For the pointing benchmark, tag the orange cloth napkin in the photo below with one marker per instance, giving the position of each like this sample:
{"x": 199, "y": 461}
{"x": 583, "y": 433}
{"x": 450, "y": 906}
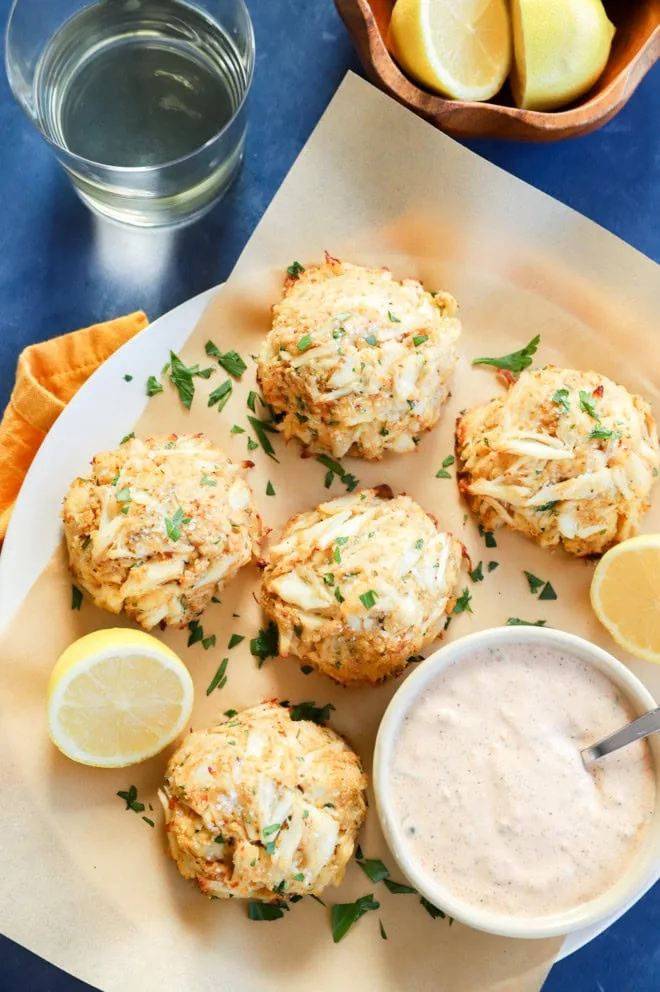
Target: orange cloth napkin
{"x": 47, "y": 376}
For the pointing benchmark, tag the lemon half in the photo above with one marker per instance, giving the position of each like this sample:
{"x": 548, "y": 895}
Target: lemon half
{"x": 116, "y": 697}
{"x": 625, "y": 595}
{"x": 461, "y": 48}
{"x": 561, "y": 47}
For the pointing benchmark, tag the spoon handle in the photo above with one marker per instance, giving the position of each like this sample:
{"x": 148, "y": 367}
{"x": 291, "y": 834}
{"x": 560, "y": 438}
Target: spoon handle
{"x": 642, "y": 727}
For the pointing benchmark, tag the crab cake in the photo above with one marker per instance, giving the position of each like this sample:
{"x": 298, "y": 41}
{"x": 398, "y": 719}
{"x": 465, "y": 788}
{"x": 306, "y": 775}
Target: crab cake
{"x": 158, "y": 526}
{"x": 566, "y": 457}
{"x": 356, "y": 362}
{"x": 358, "y": 585}
{"x": 262, "y": 807}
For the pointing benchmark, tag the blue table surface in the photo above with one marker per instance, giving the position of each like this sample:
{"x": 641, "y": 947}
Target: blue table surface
{"x": 61, "y": 269}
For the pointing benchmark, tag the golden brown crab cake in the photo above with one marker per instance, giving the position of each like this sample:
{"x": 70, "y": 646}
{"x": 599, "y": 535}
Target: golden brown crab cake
{"x": 264, "y": 807}
{"x": 158, "y": 526}
{"x": 357, "y": 362}
{"x": 567, "y": 458}
{"x": 360, "y": 584}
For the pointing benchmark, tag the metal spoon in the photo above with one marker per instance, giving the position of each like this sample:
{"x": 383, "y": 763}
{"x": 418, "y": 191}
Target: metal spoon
{"x": 635, "y": 731}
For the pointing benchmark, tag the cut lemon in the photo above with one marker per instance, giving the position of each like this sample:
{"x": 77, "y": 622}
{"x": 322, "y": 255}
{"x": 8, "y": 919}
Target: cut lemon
{"x": 625, "y": 595}
{"x": 116, "y": 697}
{"x": 461, "y": 48}
{"x": 561, "y": 47}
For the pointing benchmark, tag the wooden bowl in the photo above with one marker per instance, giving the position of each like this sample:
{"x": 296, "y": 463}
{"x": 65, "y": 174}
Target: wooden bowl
{"x": 635, "y": 49}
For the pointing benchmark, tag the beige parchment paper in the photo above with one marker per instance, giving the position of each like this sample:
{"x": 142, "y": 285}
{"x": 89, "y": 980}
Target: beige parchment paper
{"x": 85, "y": 883}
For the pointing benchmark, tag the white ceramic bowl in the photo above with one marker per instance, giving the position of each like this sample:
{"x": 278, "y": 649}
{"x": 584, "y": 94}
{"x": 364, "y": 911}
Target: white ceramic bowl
{"x": 630, "y": 884}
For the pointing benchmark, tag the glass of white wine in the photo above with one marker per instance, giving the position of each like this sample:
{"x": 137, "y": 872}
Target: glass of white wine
{"x": 142, "y": 101}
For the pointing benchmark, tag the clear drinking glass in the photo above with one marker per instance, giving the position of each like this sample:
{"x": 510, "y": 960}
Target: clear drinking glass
{"x": 142, "y": 101}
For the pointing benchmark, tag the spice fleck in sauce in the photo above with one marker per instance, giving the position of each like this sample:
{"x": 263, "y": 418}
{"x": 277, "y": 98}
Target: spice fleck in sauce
{"x": 490, "y": 791}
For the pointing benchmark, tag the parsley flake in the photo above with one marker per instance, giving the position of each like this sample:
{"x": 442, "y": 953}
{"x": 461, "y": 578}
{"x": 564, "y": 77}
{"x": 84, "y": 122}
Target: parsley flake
{"x": 515, "y": 362}
{"x": 304, "y": 342}
{"x": 207, "y": 480}
{"x": 492, "y": 565}
{"x": 173, "y": 526}
{"x": 269, "y": 489}
{"x": 587, "y": 404}
{"x": 488, "y": 536}
{"x": 602, "y": 434}
{"x": 395, "y": 320}
{"x": 548, "y": 592}
{"x": 221, "y": 395}
{"x": 76, "y": 598}
{"x": 375, "y": 870}
{"x": 477, "y": 574}
{"x": 234, "y": 640}
{"x": 420, "y": 339}
{"x": 561, "y": 399}
{"x": 219, "y": 680}
{"x": 368, "y": 599}
{"x": 517, "y": 622}
{"x": 534, "y": 583}
{"x": 153, "y": 386}
{"x": 237, "y": 430}
{"x": 399, "y": 889}
{"x": 263, "y": 912}
{"x": 309, "y": 711}
{"x": 127, "y": 437}
{"x": 130, "y": 797}
{"x": 344, "y": 915}
{"x": 295, "y": 270}
{"x": 230, "y": 361}
{"x": 462, "y": 604}
{"x": 262, "y": 428}
{"x": 265, "y": 644}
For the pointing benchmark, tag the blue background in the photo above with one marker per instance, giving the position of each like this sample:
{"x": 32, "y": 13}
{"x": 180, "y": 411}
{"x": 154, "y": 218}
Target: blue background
{"x": 60, "y": 269}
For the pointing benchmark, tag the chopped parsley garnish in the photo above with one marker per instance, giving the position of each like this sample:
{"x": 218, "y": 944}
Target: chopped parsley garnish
{"x": 395, "y": 320}
{"x": 182, "y": 378}
{"x": 237, "y": 430}
{"x": 252, "y": 445}
{"x": 252, "y": 400}
{"x": 463, "y": 603}
{"x": 231, "y": 713}
{"x": 173, "y": 526}
{"x": 329, "y": 579}
{"x": 561, "y": 399}
{"x": 219, "y": 680}
{"x": 382, "y": 929}
{"x": 602, "y": 434}
{"x": 488, "y": 536}
{"x": 370, "y": 339}
{"x": 208, "y": 642}
{"x": 295, "y": 270}
{"x": 207, "y": 480}
{"x": 265, "y": 644}
{"x": 517, "y": 622}
{"x": 262, "y": 428}
{"x": 419, "y": 544}
{"x": 264, "y": 911}
{"x": 420, "y": 339}
{"x": 344, "y": 915}
{"x": 272, "y": 829}
{"x": 127, "y": 437}
{"x": 76, "y": 598}
{"x": 123, "y": 495}
{"x": 153, "y": 386}
{"x": 231, "y": 361}
{"x": 221, "y": 395}
{"x": 514, "y": 363}
{"x": 147, "y": 820}
{"x": 269, "y": 489}
{"x": 130, "y": 798}
{"x": 234, "y": 640}
{"x": 374, "y": 869}
{"x": 432, "y": 910}
{"x": 548, "y": 592}
{"x": 587, "y": 404}
{"x": 128, "y": 378}
{"x": 338, "y": 332}
{"x": 219, "y": 839}
{"x": 534, "y": 583}
{"x": 196, "y": 632}
{"x": 300, "y": 877}
{"x": 399, "y": 889}
{"x": 304, "y": 342}
{"x": 307, "y": 669}
{"x": 545, "y": 507}
{"x": 492, "y": 565}
{"x": 309, "y": 711}
{"x": 338, "y": 595}
{"x": 477, "y": 574}
{"x": 368, "y": 599}
{"x": 334, "y": 468}
{"x": 442, "y": 473}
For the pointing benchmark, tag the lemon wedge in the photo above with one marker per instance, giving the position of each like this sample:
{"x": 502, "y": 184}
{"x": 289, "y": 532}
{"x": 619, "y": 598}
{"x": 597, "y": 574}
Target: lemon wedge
{"x": 561, "y": 47}
{"x": 461, "y": 48}
{"x": 625, "y": 595}
{"x": 116, "y": 697}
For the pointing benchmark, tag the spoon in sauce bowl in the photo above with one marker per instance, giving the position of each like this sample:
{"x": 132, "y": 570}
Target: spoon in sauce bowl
{"x": 635, "y": 731}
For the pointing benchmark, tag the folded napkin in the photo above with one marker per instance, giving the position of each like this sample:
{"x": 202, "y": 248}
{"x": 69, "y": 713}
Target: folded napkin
{"x": 47, "y": 376}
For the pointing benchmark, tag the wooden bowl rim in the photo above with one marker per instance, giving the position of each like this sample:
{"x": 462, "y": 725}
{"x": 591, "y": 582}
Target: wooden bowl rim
{"x": 438, "y": 106}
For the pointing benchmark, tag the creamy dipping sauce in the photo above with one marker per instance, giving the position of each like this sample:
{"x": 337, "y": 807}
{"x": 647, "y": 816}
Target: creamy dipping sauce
{"x": 489, "y": 789}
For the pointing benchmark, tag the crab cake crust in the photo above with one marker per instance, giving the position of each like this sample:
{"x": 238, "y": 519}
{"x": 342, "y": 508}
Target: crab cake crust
{"x": 360, "y": 584}
{"x": 262, "y": 807}
{"x": 159, "y": 526}
{"x": 567, "y": 458}
{"x": 356, "y": 362}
